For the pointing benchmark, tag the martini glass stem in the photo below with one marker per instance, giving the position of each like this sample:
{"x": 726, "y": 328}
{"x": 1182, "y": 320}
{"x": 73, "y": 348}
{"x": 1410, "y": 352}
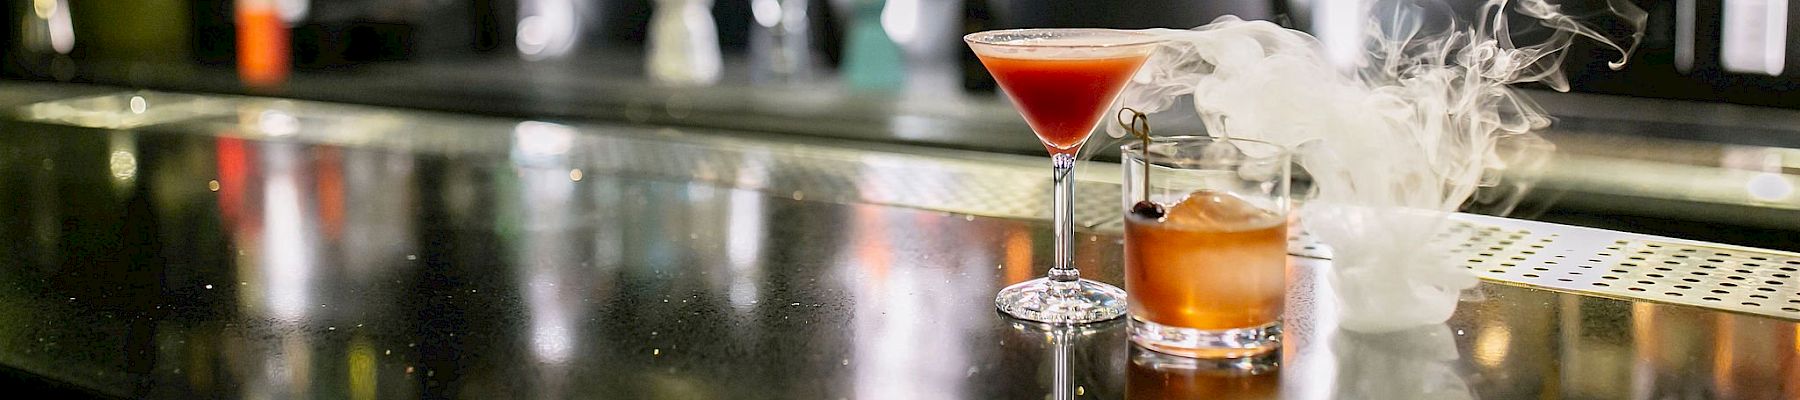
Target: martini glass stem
{"x": 1062, "y": 268}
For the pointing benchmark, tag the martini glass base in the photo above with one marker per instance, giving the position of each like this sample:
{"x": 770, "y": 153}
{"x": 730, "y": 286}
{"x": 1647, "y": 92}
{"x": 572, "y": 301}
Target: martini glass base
{"x": 1070, "y": 302}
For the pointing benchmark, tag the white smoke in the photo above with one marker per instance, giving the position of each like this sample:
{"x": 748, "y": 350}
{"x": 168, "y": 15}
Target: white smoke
{"x": 1394, "y": 144}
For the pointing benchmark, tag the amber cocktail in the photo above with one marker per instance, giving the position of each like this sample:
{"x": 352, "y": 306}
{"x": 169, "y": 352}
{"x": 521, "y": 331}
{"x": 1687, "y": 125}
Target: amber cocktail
{"x": 1206, "y": 245}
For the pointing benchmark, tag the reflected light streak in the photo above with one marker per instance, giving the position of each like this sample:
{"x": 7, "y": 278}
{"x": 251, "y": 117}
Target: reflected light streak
{"x": 541, "y": 142}
{"x": 743, "y": 246}
{"x": 236, "y": 165}
{"x": 1724, "y": 343}
{"x": 1018, "y": 256}
{"x": 122, "y": 161}
{"x": 296, "y": 374}
{"x": 550, "y": 338}
{"x": 287, "y": 265}
{"x": 900, "y": 359}
{"x": 277, "y": 123}
{"x": 1491, "y": 345}
{"x": 547, "y": 198}
{"x": 874, "y": 252}
{"x": 123, "y": 165}
{"x": 328, "y": 189}
{"x": 1308, "y": 359}
{"x": 286, "y": 369}
{"x": 1644, "y": 341}
{"x": 362, "y": 369}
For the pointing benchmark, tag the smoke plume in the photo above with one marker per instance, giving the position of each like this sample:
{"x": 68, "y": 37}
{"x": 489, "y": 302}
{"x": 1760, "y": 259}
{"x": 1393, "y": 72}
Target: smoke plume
{"x": 1395, "y": 140}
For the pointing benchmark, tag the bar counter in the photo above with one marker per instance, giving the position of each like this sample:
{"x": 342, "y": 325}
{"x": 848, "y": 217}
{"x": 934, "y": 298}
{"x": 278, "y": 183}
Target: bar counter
{"x": 173, "y": 246}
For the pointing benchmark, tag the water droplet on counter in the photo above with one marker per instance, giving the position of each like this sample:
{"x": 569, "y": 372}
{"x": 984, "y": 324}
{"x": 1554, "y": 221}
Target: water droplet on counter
{"x": 845, "y": 362}
{"x": 969, "y": 218}
{"x": 411, "y": 257}
{"x": 212, "y": 185}
{"x": 575, "y": 175}
{"x": 209, "y": 287}
{"x": 387, "y": 352}
{"x": 794, "y": 304}
{"x": 799, "y": 195}
{"x": 656, "y": 352}
{"x": 331, "y": 328}
{"x": 1080, "y": 391}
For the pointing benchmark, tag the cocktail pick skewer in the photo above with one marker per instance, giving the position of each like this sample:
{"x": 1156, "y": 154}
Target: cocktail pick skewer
{"x": 1139, "y": 125}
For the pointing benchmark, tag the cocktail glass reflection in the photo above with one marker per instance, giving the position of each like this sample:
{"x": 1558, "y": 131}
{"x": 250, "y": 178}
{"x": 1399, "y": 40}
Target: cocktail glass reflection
{"x": 1206, "y": 244}
{"x": 1061, "y": 81}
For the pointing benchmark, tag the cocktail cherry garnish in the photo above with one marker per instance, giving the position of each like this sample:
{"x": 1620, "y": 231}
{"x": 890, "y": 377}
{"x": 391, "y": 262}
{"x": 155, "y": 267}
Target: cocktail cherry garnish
{"x": 1139, "y": 125}
{"x": 1148, "y": 210}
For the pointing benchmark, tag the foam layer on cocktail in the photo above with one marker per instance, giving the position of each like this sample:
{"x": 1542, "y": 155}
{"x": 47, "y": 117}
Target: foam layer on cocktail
{"x": 1069, "y": 44}
{"x": 1392, "y": 140}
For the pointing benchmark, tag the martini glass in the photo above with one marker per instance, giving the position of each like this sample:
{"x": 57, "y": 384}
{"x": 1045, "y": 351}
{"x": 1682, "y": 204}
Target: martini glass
{"x": 1061, "y": 81}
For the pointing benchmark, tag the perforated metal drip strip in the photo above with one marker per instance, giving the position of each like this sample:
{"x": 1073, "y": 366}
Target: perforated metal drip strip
{"x": 1621, "y": 265}
{"x": 1589, "y": 261}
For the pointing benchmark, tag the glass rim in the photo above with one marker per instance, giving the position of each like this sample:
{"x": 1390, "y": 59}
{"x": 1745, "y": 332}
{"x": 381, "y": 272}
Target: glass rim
{"x": 977, "y": 38}
{"x": 1131, "y": 148}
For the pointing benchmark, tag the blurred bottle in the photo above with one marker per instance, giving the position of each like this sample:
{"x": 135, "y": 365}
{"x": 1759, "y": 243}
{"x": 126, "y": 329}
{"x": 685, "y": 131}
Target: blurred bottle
{"x": 262, "y": 44}
{"x": 977, "y": 16}
{"x": 780, "y": 43}
{"x": 46, "y": 36}
{"x": 547, "y": 29}
{"x": 684, "y": 43}
{"x": 46, "y": 27}
{"x": 872, "y": 61}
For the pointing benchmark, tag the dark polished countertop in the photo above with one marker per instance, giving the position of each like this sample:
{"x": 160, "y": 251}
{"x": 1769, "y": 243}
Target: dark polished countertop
{"x": 291, "y": 255}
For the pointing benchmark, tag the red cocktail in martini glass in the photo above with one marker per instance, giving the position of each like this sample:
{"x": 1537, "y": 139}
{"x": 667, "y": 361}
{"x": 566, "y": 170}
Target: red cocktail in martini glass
{"x": 1061, "y": 81}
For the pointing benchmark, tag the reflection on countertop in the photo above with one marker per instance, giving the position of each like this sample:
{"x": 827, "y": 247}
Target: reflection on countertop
{"x": 281, "y": 251}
